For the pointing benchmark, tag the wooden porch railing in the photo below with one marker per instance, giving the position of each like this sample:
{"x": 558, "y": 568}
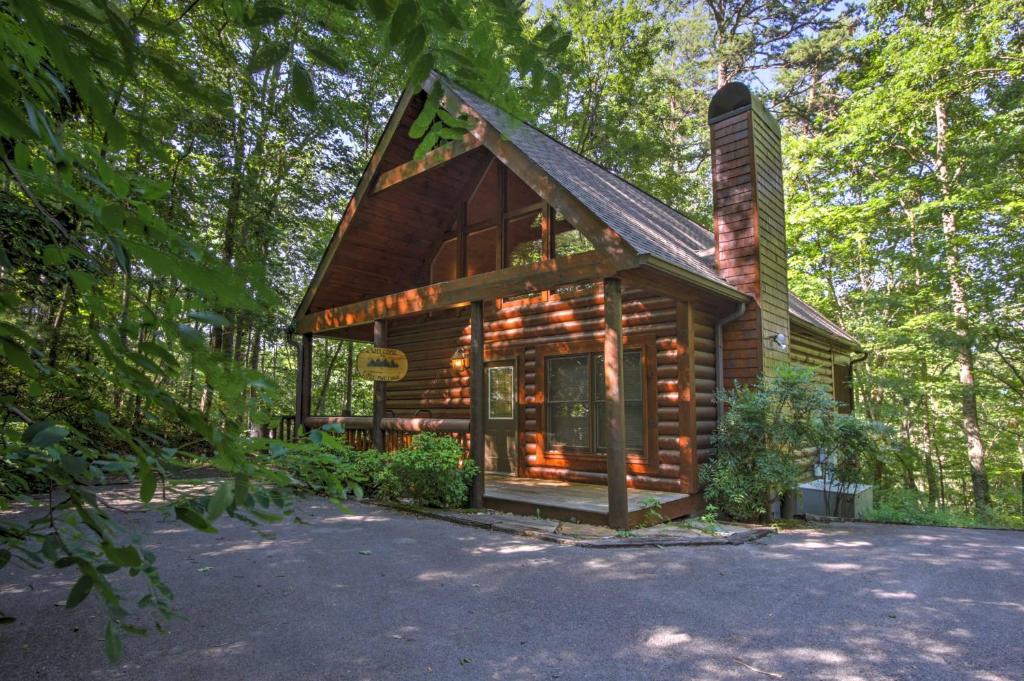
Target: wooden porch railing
{"x": 285, "y": 429}
{"x": 398, "y": 432}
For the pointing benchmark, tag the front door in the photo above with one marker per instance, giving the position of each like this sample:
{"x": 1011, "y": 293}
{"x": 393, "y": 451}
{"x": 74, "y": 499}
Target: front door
{"x": 502, "y": 435}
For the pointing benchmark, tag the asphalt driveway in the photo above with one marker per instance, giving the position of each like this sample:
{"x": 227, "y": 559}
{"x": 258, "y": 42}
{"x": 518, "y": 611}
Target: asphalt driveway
{"x": 381, "y": 595}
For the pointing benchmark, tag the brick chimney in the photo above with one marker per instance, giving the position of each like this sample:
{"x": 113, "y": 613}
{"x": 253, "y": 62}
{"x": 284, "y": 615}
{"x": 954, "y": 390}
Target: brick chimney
{"x": 750, "y": 230}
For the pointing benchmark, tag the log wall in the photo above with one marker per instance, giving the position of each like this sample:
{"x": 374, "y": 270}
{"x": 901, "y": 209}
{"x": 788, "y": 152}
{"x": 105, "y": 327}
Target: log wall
{"x": 529, "y": 330}
{"x": 814, "y": 352}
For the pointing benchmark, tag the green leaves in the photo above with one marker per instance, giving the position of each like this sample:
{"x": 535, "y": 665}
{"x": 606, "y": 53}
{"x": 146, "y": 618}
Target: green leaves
{"x": 262, "y": 13}
{"x": 268, "y": 55}
{"x": 189, "y": 516}
{"x": 44, "y": 434}
{"x": 112, "y": 643}
{"x": 79, "y": 591}
{"x": 426, "y": 116}
{"x": 122, "y": 556}
{"x": 147, "y": 484}
{"x": 220, "y": 500}
{"x": 402, "y": 21}
{"x": 208, "y": 317}
{"x": 303, "y": 89}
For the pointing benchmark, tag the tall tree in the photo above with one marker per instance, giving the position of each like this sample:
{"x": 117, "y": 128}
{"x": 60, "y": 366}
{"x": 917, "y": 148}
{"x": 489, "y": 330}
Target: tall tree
{"x": 915, "y": 162}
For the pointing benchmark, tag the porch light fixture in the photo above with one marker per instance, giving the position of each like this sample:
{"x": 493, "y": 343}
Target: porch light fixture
{"x": 779, "y": 340}
{"x": 459, "y": 360}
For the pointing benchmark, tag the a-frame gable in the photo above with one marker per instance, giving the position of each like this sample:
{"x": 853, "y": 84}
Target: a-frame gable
{"x": 357, "y": 196}
{"x": 378, "y": 181}
{"x": 527, "y": 169}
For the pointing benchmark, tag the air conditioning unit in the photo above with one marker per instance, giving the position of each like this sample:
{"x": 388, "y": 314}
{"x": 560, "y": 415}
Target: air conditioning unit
{"x": 832, "y": 498}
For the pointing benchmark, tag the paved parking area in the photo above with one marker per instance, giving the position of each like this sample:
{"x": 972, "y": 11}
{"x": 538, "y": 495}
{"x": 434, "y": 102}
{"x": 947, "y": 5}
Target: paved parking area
{"x": 381, "y": 595}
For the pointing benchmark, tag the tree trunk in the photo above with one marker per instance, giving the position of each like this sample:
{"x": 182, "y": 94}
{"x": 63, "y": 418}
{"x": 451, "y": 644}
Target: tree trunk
{"x": 1020, "y": 453}
{"x": 348, "y": 379}
{"x": 929, "y": 462}
{"x": 58, "y": 322}
{"x": 965, "y": 353}
{"x": 321, "y": 400}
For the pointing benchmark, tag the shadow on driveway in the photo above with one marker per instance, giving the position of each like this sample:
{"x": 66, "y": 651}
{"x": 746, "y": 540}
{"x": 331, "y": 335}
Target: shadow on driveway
{"x": 381, "y": 595}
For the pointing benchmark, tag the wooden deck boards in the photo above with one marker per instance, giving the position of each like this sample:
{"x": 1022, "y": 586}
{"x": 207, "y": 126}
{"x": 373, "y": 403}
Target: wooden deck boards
{"x": 573, "y": 501}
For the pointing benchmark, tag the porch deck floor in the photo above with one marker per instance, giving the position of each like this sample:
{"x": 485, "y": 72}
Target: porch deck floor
{"x": 574, "y": 500}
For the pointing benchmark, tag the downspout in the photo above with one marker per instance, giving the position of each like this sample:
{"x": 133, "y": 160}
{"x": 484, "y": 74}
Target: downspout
{"x": 853, "y": 392}
{"x": 720, "y": 360}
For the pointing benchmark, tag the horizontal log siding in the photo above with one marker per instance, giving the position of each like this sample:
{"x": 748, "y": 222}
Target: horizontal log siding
{"x": 431, "y": 388}
{"x": 516, "y": 330}
{"x": 816, "y": 353}
{"x": 704, "y": 378}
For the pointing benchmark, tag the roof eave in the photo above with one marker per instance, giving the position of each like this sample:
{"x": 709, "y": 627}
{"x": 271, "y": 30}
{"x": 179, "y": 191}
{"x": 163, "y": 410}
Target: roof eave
{"x": 849, "y": 343}
{"x": 693, "y": 278}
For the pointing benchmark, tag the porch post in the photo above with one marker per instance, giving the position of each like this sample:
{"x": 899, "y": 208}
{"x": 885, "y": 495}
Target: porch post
{"x": 303, "y": 381}
{"x": 477, "y": 400}
{"x": 380, "y": 340}
{"x": 615, "y": 405}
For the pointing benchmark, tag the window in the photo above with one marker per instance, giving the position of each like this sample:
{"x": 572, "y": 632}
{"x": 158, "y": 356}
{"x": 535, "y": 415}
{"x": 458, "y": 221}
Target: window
{"x": 575, "y": 404}
{"x": 568, "y": 239}
{"x": 633, "y": 385}
{"x": 518, "y": 194}
{"x": 524, "y": 240}
{"x": 481, "y": 251}
{"x": 501, "y": 393}
{"x": 484, "y": 205}
{"x": 446, "y": 262}
{"x": 567, "y": 401}
{"x": 843, "y": 387}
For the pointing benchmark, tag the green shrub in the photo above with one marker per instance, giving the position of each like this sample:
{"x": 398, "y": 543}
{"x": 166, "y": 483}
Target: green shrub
{"x": 910, "y": 507}
{"x": 431, "y": 473}
{"x": 759, "y": 440}
{"x": 325, "y": 464}
{"x": 765, "y": 433}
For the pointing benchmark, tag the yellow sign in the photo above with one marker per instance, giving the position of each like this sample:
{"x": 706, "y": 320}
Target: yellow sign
{"x": 382, "y": 364}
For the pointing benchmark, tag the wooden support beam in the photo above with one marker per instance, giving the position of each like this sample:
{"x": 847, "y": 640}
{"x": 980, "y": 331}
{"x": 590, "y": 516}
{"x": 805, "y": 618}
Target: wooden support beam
{"x": 500, "y": 220}
{"x": 432, "y": 159}
{"x": 304, "y": 380}
{"x": 349, "y": 360}
{"x": 547, "y": 222}
{"x": 536, "y": 276}
{"x": 685, "y": 347}
{"x": 615, "y": 406}
{"x": 380, "y": 340}
{"x": 477, "y": 399}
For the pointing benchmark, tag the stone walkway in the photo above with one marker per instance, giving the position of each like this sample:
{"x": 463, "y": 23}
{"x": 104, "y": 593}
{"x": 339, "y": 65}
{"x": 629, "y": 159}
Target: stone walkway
{"x": 677, "y": 533}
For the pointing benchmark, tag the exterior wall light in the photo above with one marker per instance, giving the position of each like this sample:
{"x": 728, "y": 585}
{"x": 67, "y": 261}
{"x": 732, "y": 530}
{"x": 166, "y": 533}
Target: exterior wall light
{"x": 459, "y": 360}
{"x": 779, "y": 340}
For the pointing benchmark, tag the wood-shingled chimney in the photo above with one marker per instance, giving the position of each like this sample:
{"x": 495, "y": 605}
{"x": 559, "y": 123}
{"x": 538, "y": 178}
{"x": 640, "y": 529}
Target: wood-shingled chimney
{"x": 750, "y": 230}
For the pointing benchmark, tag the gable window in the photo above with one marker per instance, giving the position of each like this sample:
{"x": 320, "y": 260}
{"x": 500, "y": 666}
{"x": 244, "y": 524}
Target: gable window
{"x": 481, "y": 251}
{"x": 575, "y": 404}
{"x": 445, "y": 264}
{"x": 524, "y": 240}
{"x": 568, "y": 239}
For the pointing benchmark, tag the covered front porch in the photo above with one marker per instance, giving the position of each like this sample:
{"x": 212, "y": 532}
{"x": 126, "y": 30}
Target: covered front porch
{"x": 492, "y": 434}
{"x": 579, "y": 502}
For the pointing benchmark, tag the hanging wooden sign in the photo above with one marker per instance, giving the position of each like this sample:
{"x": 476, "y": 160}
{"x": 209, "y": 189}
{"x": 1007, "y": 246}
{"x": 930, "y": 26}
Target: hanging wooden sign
{"x": 382, "y": 364}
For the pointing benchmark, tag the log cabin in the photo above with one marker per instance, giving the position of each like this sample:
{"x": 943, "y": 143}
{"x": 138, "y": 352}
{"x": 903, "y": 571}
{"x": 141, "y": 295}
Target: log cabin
{"x": 567, "y": 326}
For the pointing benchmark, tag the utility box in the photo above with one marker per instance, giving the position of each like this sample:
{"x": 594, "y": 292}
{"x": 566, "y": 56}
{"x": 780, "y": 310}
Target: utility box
{"x": 834, "y": 499}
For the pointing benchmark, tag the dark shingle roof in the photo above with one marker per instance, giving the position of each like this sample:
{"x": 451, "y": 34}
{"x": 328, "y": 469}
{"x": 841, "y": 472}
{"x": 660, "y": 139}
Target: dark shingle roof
{"x": 645, "y": 223}
{"x": 805, "y": 313}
